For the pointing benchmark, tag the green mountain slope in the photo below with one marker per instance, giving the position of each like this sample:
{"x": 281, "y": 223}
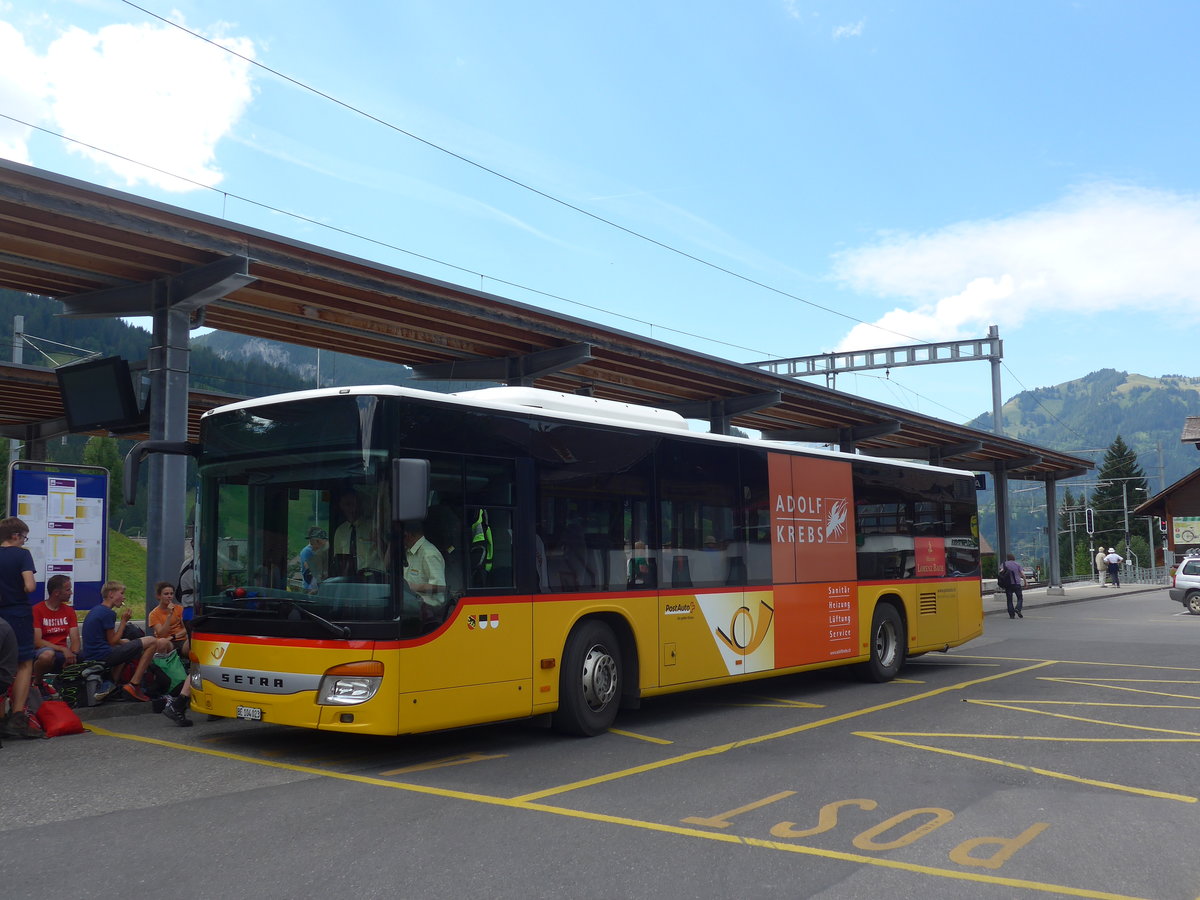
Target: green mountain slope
{"x": 1089, "y": 412}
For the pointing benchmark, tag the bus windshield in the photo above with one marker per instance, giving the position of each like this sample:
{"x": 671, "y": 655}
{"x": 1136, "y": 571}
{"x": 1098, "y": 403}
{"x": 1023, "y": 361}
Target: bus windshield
{"x": 296, "y": 506}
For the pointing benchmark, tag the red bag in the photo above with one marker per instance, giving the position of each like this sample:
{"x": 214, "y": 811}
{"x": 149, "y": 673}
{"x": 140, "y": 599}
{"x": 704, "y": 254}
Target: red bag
{"x": 57, "y": 718}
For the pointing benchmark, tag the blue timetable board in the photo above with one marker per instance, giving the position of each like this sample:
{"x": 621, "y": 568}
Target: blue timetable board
{"x": 67, "y": 515}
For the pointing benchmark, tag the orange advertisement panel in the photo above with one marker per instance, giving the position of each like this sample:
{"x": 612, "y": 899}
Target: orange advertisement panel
{"x": 931, "y": 557}
{"x": 812, "y": 520}
{"x": 815, "y": 623}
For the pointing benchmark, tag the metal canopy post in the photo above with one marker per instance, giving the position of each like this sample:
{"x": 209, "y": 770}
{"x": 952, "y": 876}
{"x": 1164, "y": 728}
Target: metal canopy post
{"x": 1055, "y": 587}
{"x": 167, "y": 475}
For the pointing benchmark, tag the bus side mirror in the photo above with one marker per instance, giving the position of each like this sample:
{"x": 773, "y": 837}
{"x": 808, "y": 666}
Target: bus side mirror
{"x": 410, "y": 489}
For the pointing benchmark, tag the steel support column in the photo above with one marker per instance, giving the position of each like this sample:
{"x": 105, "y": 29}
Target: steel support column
{"x": 167, "y": 475}
{"x": 1055, "y": 587}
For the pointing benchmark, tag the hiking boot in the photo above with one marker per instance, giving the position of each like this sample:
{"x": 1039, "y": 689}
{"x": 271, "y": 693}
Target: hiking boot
{"x": 22, "y": 724}
{"x": 105, "y": 690}
{"x": 176, "y": 710}
{"x": 135, "y": 692}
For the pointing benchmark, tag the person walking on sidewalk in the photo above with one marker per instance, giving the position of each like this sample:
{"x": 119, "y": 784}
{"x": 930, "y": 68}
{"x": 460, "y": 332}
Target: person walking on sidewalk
{"x": 1011, "y": 580}
{"x": 1114, "y": 560}
{"x": 1101, "y": 567}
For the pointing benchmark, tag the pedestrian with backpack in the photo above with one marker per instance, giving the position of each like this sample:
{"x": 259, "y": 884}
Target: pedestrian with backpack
{"x": 1009, "y": 578}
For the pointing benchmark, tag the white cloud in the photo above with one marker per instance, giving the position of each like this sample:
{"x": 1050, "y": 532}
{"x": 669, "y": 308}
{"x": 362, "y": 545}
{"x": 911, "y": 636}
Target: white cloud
{"x": 1105, "y": 247}
{"x": 150, "y": 93}
{"x": 22, "y": 92}
{"x": 853, "y": 30}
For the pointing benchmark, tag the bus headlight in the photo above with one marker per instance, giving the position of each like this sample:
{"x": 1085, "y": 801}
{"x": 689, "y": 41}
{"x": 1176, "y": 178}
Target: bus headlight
{"x": 351, "y": 683}
{"x": 195, "y": 679}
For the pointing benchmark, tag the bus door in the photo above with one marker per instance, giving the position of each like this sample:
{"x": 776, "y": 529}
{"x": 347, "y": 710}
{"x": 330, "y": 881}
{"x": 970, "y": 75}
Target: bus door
{"x": 714, "y": 623}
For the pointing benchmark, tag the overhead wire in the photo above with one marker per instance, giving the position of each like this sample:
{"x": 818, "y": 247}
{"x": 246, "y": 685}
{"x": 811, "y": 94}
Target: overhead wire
{"x": 506, "y": 178}
{"x": 517, "y": 182}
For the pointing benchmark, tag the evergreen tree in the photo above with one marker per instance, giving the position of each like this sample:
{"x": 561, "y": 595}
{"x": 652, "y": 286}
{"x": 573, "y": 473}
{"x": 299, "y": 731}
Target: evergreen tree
{"x": 103, "y": 452}
{"x": 1122, "y": 487}
{"x": 1072, "y": 535}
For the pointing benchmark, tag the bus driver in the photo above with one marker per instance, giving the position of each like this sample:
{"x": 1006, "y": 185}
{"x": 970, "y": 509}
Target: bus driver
{"x": 356, "y": 544}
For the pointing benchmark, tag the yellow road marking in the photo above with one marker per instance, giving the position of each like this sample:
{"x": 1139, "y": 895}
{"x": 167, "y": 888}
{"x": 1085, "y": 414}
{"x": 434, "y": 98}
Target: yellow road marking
{"x": 1086, "y": 662}
{"x": 720, "y": 837}
{"x": 1041, "y": 712}
{"x": 639, "y": 737}
{"x": 787, "y": 732}
{"x": 1062, "y": 776}
{"x": 780, "y": 703}
{"x": 460, "y": 760}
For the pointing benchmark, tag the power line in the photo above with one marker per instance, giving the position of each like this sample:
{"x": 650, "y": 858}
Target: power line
{"x": 518, "y": 183}
{"x": 497, "y": 174}
{"x": 376, "y": 241}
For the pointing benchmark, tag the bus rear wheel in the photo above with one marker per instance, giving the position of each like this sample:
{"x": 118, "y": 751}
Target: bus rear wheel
{"x": 887, "y": 645}
{"x": 589, "y": 683}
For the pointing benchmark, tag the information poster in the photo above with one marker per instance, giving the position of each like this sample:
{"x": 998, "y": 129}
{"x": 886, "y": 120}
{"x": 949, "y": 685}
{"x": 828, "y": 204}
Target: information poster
{"x": 67, "y": 515}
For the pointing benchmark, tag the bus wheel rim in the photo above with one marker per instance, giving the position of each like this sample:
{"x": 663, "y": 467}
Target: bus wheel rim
{"x": 599, "y": 677}
{"x": 885, "y": 643}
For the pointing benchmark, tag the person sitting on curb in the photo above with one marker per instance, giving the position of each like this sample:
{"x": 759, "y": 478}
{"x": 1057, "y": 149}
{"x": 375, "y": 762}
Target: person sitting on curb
{"x": 55, "y": 629}
{"x": 103, "y": 640}
{"x": 166, "y": 619}
{"x": 175, "y": 704}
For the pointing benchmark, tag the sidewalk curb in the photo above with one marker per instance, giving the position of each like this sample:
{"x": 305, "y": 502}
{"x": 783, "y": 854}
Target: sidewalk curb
{"x": 1118, "y": 592}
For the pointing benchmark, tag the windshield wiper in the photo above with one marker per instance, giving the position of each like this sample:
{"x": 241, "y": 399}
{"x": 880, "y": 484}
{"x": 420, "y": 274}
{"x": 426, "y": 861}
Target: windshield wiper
{"x": 342, "y": 631}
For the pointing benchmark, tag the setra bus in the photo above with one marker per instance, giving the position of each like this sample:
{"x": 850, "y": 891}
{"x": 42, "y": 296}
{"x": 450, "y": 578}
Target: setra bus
{"x": 513, "y": 552}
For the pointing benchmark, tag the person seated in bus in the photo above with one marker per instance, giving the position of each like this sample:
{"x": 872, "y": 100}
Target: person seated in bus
{"x": 424, "y": 571}
{"x": 578, "y": 572}
{"x": 314, "y": 560}
{"x": 639, "y": 573}
{"x": 166, "y": 619}
{"x": 356, "y": 542}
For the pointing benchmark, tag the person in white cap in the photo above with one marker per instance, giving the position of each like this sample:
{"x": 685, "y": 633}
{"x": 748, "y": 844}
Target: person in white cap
{"x": 1114, "y": 560}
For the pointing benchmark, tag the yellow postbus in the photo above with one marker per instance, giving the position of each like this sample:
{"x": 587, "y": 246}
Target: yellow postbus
{"x": 386, "y": 560}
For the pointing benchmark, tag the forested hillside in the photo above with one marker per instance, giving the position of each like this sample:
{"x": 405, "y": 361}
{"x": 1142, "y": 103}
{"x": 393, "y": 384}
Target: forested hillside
{"x": 324, "y": 369}
{"x": 55, "y": 340}
{"x": 1090, "y": 412}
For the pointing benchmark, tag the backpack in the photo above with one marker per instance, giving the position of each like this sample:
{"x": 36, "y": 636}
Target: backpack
{"x": 71, "y": 682}
{"x": 1004, "y": 577}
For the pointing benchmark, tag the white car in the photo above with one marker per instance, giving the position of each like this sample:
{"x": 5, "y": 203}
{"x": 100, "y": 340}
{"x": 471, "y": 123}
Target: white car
{"x": 1186, "y": 589}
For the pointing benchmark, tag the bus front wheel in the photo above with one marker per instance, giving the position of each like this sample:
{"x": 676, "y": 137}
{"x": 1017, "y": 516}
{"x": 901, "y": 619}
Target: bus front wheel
{"x": 887, "y": 645}
{"x": 589, "y": 683}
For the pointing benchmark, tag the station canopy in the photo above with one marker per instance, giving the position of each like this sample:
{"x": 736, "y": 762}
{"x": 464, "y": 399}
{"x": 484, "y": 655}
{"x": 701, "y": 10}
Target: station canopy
{"x": 84, "y": 245}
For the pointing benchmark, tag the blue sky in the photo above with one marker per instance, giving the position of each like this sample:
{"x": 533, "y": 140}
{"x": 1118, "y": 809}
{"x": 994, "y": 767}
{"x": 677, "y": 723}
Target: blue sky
{"x": 851, "y": 174}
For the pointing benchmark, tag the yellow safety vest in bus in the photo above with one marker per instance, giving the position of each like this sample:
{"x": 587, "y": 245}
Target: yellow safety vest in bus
{"x": 481, "y": 543}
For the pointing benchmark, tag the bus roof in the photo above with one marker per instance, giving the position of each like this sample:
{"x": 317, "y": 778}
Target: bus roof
{"x": 567, "y": 407}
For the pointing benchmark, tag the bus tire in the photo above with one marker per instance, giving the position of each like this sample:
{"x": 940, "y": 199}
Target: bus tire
{"x": 589, "y": 683}
{"x": 888, "y": 643}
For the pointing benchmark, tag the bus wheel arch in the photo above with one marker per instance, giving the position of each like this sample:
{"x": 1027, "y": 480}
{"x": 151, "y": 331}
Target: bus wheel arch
{"x": 888, "y": 641}
{"x": 593, "y": 676}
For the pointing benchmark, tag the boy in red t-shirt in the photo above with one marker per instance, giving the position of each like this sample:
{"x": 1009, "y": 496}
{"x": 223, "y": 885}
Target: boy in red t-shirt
{"x": 55, "y": 629}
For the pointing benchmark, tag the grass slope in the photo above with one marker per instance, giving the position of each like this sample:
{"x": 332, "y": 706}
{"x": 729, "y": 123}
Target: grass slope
{"x": 127, "y": 564}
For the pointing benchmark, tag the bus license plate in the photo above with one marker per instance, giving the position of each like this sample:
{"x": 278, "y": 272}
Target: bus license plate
{"x": 249, "y": 712}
